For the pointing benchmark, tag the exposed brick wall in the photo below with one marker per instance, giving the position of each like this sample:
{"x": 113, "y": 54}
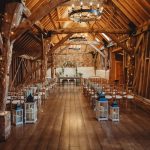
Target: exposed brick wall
{"x": 99, "y": 62}
{"x": 84, "y": 60}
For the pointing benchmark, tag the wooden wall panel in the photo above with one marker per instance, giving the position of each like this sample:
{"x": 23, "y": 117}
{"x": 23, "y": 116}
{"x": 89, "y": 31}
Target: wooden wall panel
{"x": 141, "y": 82}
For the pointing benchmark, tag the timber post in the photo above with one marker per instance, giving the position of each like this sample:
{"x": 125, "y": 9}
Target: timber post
{"x": 12, "y": 17}
{"x": 44, "y": 58}
{"x": 52, "y": 66}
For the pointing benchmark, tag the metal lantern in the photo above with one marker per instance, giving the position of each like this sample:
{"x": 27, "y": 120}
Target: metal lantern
{"x": 30, "y": 112}
{"x": 18, "y": 116}
{"x": 114, "y": 113}
{"x": 102, "y": 109}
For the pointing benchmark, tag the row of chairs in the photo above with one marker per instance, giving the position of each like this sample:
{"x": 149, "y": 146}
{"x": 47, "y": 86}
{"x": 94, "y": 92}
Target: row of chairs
{"x": 123, "y": 96}
{"x": 18, "y": 96}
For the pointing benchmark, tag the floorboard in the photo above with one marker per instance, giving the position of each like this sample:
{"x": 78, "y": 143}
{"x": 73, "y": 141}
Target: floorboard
{"x": 67, "y": 122}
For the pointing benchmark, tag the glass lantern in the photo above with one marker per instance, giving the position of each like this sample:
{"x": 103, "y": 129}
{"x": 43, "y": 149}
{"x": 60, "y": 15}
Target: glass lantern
{"x": 18, "y": 116}
{"x": 30, "y": 112}
{"x": 114, "y": 113}
{"x": 102, "y": 109}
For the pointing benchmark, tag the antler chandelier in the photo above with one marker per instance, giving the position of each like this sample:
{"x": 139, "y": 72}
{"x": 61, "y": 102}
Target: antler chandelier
{"x": 85, "y": 13}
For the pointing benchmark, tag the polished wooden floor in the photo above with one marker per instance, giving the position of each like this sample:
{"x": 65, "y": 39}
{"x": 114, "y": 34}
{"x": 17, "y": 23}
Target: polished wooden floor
{"x": 67, "y": 122}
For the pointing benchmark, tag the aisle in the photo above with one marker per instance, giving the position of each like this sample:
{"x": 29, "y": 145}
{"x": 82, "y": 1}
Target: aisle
{"x": 67, "y": 122}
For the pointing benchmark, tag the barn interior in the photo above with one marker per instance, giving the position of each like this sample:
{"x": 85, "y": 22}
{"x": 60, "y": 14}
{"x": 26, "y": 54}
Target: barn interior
{"x": 65, "y": 61}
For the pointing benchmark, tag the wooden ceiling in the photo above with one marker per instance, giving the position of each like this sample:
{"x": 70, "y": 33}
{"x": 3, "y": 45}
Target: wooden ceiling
{"x": 117, "y": 15}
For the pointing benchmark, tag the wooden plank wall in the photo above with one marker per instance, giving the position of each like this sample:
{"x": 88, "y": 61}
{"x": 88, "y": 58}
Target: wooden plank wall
{"x": 24, "y": 71}
{"x": 141, "y": 82}
{"x": 136, "y": 68}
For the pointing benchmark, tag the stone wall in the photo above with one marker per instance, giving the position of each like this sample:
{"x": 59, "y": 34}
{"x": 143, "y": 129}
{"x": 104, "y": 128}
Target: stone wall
{"x": 84, "y": 60}
{"x": 71, "y": 63}
{"x": 86, "y": 72}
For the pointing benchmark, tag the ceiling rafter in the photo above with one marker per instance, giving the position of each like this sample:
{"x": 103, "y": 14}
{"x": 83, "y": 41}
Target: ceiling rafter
{"x": 126, "y": 49}
{"x": 54, "y": 25}
{"x": 58, "y": 16}
{"x": 114, "y": 19}
{"x": 126, "y": 12}
{"x": 89, "y": 30}
{"x": 44, "y": 10}
{"x": 143, "y": 7}
{"x": 111, "y": 21}
{"x": 131, "y": 7}
{"x": 100, "y": 43}
{"x": 122, "y": 21}
{"x": 59, "y": 44}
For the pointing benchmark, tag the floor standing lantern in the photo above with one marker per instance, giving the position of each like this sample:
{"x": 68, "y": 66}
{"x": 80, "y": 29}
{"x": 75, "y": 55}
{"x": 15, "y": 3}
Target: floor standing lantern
{"x": 30, "y": 110}
{"x": 114, "y": 112}
{"x": 38, "y": 99}
{"x": 18, "y": 115}
{"x": 102, "y": 109}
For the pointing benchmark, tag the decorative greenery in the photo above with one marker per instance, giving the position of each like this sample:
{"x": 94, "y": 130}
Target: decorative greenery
{"x": 69, "y": 64}
{"x": 80, "y": 74}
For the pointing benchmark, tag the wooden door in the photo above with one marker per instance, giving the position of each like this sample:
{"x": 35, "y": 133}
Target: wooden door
{"x": 119, "y": 71}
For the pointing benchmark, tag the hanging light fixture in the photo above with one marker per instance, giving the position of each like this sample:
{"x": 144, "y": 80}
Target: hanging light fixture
{"x": 85, "y": 13}
{"x": 78, "y": 37}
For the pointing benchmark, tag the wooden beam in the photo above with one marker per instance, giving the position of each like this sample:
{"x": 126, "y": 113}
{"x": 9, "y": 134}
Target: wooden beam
{"x": 142, "y": 67}
{"x": 36, "y": 38}
{"x": 59, "y": 44}
{"x": 63, "y": 49}
{"x": 116, "y": 49}
{"x": 26, "y": 11}
{"x": 25, "y": 65}
{"x": 11, "y": 85}
{"x": 63, "y": 20}
{"x": 81, "y": 43}
{"x": 44, "y": 58}
{"x": 138, "y": 43}
{"x": 58, "y": 16}
{"x": 98, "y": 50}
{"x": 1, "y": 41}
{"x": 42, "y": 11}
{"x": 70, "y": 54}
{"x": 7, "y": 57}
{"x": 110, "y": 17}
{"x": 30, "y": 73}
{"x": 25, "y": 52}
{"x": 88, "y": 30}
{"x": 14, "y": 11}
{"x": 143, "y": 28}
{"x": 125, "y": 11}
{"x": 123, "y": 46}
{"x": 55, "y": 27}
{"x": 52, "y": 66}
{"x": 146, "y": 23}
{"x": 114, "y": 38}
